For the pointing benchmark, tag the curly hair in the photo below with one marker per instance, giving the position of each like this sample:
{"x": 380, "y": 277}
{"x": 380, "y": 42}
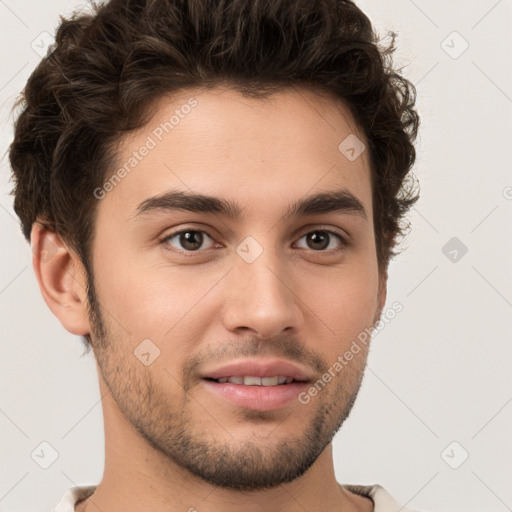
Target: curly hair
{"x": 110, "y": 65}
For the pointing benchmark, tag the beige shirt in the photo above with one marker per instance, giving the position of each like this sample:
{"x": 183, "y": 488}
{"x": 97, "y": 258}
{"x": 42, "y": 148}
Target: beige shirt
{"x": 383, "y": 502}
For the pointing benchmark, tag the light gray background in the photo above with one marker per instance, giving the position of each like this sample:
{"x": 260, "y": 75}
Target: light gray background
{"x": 438, "y": 373}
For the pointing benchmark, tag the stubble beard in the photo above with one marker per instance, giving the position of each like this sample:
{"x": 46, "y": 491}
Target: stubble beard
{"x": 169, "y": 426}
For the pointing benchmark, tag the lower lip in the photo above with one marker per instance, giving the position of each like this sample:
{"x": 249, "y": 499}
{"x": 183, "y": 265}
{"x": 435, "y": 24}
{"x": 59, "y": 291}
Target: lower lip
{"x": 261, "y": 398}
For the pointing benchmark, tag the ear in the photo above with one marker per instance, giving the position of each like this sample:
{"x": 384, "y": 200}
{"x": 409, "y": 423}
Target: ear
{"x": 62, "y": 279}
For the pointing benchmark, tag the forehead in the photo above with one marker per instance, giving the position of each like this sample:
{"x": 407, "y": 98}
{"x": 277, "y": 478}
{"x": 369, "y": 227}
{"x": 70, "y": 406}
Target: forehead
{"x": 221, "y": 143}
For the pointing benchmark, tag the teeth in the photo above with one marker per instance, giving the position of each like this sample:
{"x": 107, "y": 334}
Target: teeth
{"x": 269, "y": 381}
{"x": 250, "y": 380}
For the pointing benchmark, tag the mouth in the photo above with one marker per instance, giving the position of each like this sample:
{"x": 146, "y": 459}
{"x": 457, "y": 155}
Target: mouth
{"x": 257, "y": 384}
{"x": 253, "y": 380}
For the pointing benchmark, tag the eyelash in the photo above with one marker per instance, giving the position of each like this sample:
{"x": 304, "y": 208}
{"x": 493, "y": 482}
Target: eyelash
{"x": 187, "y": 253}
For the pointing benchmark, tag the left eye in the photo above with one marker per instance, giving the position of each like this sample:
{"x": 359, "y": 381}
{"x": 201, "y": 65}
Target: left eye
{"x": 192, "y": 240}
{"x": 322, "y": 238}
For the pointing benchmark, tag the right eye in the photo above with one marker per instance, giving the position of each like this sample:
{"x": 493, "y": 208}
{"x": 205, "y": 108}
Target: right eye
{"x": 190, "y": 240}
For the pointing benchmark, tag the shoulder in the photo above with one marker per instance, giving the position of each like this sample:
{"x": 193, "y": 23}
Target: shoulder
{"x": 72, "y": 496}
{"x": 383, "y": 501}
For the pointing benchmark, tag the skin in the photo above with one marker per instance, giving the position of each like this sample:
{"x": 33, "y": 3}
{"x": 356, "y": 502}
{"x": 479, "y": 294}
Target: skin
{"x": 169, "y": 443}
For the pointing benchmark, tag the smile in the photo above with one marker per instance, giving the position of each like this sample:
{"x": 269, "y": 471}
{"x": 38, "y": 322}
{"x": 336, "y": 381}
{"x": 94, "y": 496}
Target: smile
{"x": 250, "y": 380}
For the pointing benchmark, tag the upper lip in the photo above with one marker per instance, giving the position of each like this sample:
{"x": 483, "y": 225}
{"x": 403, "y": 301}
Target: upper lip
{"x": 258, "y": 368}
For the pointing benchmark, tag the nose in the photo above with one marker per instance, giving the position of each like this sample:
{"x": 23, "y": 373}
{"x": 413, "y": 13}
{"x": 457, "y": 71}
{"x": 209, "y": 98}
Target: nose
{"x": 261, "y": 297}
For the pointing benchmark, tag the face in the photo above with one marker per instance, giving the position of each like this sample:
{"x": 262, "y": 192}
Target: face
{"x": 257, "y": 273}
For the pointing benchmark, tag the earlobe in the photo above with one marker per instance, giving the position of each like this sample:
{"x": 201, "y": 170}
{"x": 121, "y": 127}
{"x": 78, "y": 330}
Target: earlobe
{"x": 61, "y": 278}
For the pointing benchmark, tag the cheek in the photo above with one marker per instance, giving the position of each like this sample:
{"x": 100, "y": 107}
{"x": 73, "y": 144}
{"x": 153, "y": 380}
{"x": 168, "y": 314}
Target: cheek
{"x": 132, "y": 299}
{"x": 343, "y": 303}
{"x": 148, "y": 308}
{"x": 150, "y": 299}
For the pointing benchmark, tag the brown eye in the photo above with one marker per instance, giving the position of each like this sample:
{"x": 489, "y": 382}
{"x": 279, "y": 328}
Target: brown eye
{"x": 188, "y": 239}
{"x": 320, "y": 240}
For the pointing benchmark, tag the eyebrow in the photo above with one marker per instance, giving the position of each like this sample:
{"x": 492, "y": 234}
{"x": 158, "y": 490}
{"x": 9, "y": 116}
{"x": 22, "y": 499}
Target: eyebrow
{"x": 337, "y": 201}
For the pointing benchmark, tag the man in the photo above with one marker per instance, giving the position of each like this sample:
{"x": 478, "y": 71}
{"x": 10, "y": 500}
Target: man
{"x": 213, "y": 192}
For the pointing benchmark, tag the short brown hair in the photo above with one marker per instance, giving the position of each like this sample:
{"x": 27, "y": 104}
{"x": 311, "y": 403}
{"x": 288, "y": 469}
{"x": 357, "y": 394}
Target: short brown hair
{"x": 109, "y": 66}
